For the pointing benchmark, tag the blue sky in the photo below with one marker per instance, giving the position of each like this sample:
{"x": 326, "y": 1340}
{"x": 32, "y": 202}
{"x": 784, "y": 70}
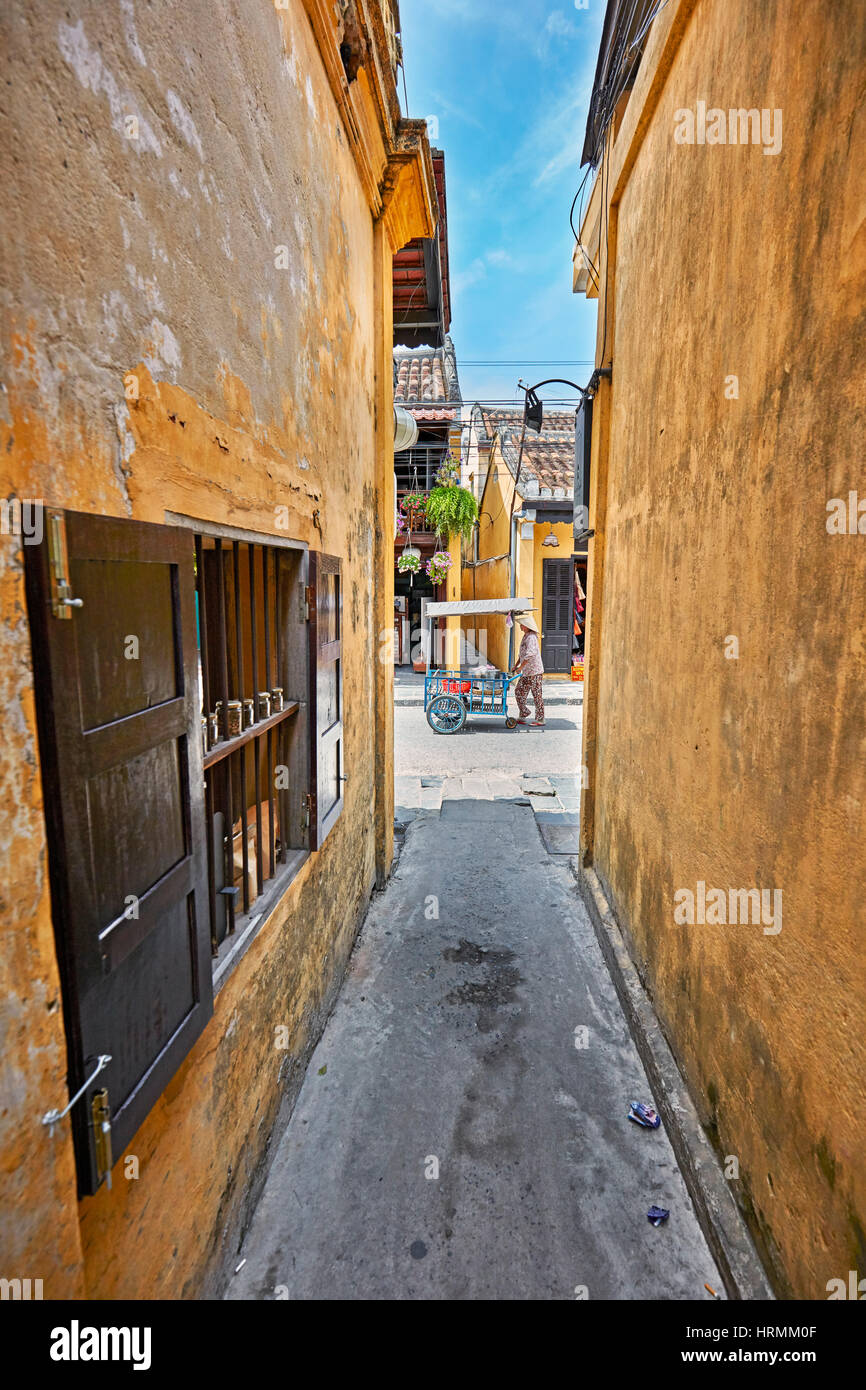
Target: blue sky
{"x": 509, "y": 84}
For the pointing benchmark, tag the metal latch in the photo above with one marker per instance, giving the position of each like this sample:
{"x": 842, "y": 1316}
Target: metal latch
{"x": 101, "y": 1115}
{"x": 53, "y": 1117}
{"x": 58, "y": 568}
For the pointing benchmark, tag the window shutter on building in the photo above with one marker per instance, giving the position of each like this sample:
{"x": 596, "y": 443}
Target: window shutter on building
{"x": 119, "y": 724}
{"x": 582, "y": 467}
{"x": 326, "y": 683}
{"x": 558, "y": 615}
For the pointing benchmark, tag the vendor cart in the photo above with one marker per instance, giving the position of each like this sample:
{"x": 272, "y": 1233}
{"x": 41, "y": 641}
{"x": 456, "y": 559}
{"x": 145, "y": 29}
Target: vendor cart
{"x": 450, "y": 696}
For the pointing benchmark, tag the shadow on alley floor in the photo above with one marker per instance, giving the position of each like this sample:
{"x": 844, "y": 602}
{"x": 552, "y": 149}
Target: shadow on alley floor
{"x": 450, "y": 1140}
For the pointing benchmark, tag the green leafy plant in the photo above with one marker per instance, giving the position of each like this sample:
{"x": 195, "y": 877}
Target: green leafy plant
{"x": 452, "y": 511}
{"x": 409, "y": 564}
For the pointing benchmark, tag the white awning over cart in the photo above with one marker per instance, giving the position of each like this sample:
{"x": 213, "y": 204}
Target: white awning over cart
{"x": 479, "y": 605}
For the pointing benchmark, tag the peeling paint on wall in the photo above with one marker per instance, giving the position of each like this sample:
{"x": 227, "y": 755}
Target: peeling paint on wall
{"x": 157, "y": 362}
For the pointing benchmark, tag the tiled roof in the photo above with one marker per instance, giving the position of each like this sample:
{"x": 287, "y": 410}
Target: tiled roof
{"x": 425, "y": 380}
{"x": 548, "y": 458}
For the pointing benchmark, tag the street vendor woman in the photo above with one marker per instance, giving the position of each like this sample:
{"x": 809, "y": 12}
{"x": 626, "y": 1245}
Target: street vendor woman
{"x": 531, "y": 671}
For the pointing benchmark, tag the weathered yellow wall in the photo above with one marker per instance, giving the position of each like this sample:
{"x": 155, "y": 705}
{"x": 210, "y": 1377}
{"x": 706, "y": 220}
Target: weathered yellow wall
{"x": 747, "y": 772}
{"x": 258, "y": 388}
{"x": 492, "y": 581}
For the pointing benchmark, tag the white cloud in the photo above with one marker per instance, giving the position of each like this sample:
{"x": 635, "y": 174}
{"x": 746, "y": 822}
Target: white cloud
{"x": 559, "y": 27}
{"x": 465, "y": 279}
{"x": 476, "y": 272}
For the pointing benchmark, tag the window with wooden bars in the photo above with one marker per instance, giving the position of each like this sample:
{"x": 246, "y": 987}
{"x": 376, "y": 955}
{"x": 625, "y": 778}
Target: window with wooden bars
{"x": 166, "y": 837}
{"x": 254, "y": 685}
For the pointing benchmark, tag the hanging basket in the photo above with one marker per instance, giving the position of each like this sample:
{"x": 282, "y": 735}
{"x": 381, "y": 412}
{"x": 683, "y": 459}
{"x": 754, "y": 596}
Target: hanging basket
{"x": 438, "y": 566}
{"x": 410, "y": 561}
{"x": 414, "y": 506}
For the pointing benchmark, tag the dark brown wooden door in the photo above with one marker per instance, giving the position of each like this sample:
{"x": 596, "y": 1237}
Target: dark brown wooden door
{"x": 326, "y": 683}
{"x": 119, "y": 724}
{"x": 557, "y": 607}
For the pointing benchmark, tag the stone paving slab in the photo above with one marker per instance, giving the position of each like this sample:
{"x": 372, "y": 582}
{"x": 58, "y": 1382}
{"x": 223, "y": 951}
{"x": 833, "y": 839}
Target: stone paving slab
{"x": 543, "y": 804}
{"x": 548, "y": 815}
{"x": 560, "y": 830}
{"x": 558, "y": 837}
{"x": 538, "y": 786}
{"x": 567, "y": 783}
{"x": 507, "y": 790}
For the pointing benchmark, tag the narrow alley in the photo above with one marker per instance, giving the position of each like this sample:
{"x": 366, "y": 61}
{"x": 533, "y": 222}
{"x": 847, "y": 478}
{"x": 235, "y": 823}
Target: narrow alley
{"x": 462, "y": 1130}
{"x": 433, "y": 773}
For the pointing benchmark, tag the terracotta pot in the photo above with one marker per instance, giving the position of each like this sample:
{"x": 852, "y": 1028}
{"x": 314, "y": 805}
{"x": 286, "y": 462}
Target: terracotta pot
{"x": 419, "y": 667}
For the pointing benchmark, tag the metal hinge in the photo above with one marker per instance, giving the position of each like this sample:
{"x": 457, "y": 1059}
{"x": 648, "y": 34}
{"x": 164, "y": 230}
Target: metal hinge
{"x": 58, "y": 568}
{"x": 101, "y": 1115}
{"x": 309, "y": 597}
{"x": 306, "y": 811}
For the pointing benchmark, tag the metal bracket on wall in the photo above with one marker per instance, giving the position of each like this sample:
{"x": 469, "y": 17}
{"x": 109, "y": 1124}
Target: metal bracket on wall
{"x": 596, "y": 378}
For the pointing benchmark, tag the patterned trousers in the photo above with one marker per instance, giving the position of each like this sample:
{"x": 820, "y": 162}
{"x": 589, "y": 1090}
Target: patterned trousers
{"x": 522, "y": 690}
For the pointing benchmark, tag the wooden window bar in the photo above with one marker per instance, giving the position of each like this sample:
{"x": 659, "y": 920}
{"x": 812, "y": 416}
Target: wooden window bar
{"x": 234, "y": 613}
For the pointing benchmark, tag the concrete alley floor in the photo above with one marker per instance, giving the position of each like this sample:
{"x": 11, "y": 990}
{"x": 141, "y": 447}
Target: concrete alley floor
{"x": 450, "y": 1140}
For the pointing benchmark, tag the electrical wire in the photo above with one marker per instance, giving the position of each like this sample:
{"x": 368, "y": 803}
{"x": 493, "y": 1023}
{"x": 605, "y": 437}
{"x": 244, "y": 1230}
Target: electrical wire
{"x": 620, "y": 72}
{"x": 605, "y": 212}
{"x": 524, "y": 362}
{"x": 421, "y": 285}
{"x": 405, "y": 92}
{"x": 552, "y": 402}
{"x": 592, "y": 269}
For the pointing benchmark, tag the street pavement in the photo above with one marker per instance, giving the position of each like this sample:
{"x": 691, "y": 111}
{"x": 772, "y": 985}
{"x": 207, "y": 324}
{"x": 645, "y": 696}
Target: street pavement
{"x": 462, "y": 1129}
{"x": 484, "y": 744}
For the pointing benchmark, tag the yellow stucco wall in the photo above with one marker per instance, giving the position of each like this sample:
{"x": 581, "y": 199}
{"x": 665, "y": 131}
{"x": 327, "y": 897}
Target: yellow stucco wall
{"x": 711, "y": 513}
{"x": 262, "y": 379}
{"x": 492, "y": 581}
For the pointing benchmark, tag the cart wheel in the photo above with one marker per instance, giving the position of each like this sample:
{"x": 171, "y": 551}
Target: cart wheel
{"x": 510, "y": 723}
{"x": 446, "y": 714}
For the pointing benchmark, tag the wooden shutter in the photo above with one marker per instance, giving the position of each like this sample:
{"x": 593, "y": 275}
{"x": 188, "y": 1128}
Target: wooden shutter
{"x": 558, "y": 614}
{"x": 326, "y": 698}
{"x": 582, "y": 467}
{"x": 120, "y": 745}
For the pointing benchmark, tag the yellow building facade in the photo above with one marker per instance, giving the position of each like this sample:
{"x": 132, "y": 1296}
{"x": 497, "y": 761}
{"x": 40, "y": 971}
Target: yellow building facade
{"x": 197, "y": 339}
{"x": 724, "y": 735}
{"x": 509, "y": 556}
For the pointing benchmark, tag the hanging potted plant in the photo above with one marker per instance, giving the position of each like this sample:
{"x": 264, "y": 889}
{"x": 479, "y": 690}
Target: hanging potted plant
{"x": 438, "y": 566}
{"x": 452, "y": 511}
{"x": 410, "y": 561}
{"x": 449, "y": 472}
{"x": 414, "y": 505}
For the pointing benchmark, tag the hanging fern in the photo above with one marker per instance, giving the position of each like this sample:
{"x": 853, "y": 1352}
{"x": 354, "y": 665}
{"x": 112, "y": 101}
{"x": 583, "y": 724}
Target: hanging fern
{"x": 452, "y": 511}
